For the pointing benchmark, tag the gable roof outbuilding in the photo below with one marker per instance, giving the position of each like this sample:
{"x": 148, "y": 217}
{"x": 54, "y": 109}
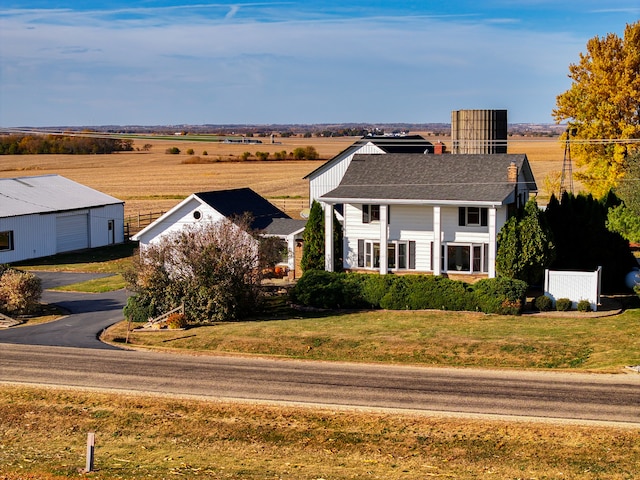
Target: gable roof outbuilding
{"x": 48, "y": 194}
{"x": 266, "y": 217}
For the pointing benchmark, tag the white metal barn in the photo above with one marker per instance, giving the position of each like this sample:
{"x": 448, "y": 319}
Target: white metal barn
{"x": 48, "y": 214}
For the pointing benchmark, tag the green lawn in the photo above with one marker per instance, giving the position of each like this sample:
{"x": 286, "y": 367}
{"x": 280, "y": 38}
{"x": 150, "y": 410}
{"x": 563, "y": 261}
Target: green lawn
{"x": 463, "y": 339}
{"x": 430, "y": 338}
{"x": 113, "y": 259}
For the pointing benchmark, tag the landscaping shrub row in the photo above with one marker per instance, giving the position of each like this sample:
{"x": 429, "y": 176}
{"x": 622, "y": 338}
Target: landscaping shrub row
{"x": 545, "y": 304}
{"x": 321, "y": 289}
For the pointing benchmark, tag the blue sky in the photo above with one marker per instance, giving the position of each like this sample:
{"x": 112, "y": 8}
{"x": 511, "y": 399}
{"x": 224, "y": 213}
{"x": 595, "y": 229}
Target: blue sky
{"x": 119, "y": 62}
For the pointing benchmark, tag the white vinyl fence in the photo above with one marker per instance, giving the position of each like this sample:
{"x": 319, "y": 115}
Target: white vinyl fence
{"x": 573, "y": 285}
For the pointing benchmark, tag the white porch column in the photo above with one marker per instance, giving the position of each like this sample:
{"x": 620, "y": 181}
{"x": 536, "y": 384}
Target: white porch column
{"x": 493, "y": 235}
{"x": 291, "y": 248}
{"x": 437, "y": 241}
{"x": 384, "y": 240}
{"x": 328, "y": 237}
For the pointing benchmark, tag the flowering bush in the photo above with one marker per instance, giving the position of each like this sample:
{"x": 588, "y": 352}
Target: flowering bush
{"x": 176, "y": 320}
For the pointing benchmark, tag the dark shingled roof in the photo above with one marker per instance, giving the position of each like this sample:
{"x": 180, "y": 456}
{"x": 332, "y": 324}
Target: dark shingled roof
{"x": 284, "y": 226}
{"x": 466, "y": 178}
{"x": 403, "y": 144}
{"x": 239, "y": 201}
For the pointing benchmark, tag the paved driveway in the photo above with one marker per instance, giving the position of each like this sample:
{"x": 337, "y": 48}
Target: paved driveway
{"x": 90, "y": 314}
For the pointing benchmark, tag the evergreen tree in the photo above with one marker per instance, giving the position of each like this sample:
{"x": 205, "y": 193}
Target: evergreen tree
{"x": 584, "y": 242}
{"x": 313, "y": 236}
{"x": 525, "y": 246}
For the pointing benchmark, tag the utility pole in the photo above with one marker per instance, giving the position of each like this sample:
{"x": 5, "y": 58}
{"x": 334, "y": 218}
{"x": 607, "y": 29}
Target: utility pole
{"x": 566, "y": 180}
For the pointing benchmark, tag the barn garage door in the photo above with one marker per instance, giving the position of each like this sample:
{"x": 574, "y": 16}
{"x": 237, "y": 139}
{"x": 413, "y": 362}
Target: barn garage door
{"x": 72, "y": 232}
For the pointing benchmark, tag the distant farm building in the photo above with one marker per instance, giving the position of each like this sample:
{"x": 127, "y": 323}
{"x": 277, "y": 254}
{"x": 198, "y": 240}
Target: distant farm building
{"x": 49, "y": 214}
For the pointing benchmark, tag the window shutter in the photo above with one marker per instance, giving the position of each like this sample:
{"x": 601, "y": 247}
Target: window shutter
{"x": 484, "y": 214}
{"x": 431, "y": 256}
{"x": 462, "y": 216}
{"x": 412, "y": 255}
{"x": 360, "y": 253}
{"x": 366, "y": 218}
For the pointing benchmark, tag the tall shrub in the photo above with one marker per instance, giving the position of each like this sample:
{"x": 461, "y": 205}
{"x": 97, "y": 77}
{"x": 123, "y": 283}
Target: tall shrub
{"x": 20, "y": 292}
{"x": 500, "y": 295}
{"x": 313, "y": 237}
{"x": 213, "y": 268}
{"x": 525, "y": 246}
{"x": 583, "y": 241}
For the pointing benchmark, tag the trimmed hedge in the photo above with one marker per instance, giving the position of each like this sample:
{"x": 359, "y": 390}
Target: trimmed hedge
{"x": 563, "y": 304}
{"x": 543, "y": 303}
{"x": 330, "y": 290}
{"x": 584, "y": 306}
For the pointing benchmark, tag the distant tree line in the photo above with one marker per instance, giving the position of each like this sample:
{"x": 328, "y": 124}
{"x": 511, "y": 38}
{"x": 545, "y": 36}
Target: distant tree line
{"x": 60, "y": 144}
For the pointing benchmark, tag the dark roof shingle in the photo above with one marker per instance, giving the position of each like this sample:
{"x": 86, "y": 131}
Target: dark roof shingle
{"x": 239, "y": 201}
{"x": 481, "y": 178}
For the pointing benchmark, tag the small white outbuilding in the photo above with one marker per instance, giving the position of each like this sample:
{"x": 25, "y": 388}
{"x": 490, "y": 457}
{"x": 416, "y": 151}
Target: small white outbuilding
{"x": 49, "y": 214}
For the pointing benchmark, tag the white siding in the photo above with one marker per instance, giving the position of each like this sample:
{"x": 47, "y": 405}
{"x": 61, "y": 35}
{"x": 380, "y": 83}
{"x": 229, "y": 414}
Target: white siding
{"x": 454, "y": 233}
{"x": 175, "y": 220}
{"x": 408, "y": 223}
{"x": 413, "y": 223}
{"x": 35, "y": 236}
{"x": 326, "y": 180}
{"x": 99, "y": 225}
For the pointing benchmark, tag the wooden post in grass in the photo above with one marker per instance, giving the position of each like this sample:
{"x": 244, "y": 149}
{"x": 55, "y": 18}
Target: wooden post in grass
{"x": 126, "y": 341}
{"x": 91, "y": 441}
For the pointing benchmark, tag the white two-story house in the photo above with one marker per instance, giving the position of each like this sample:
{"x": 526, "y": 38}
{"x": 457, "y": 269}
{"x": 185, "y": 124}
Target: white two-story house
{"x": 437, "y": 214}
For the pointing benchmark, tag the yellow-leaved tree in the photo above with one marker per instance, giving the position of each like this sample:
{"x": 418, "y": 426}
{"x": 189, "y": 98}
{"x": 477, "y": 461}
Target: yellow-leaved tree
{"x": 602, "y": 108}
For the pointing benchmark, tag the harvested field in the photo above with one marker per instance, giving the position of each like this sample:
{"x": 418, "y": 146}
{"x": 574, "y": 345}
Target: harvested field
{"x": 153, "y": 180}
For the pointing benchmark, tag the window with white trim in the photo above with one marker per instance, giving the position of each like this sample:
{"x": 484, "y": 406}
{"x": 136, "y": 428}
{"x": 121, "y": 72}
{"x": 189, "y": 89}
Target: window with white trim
{"x": 400, "y": 254}
{"x": 465, "y": 258}
{"x": 473, "y": 216}
{"x": 6, "y": 240}
{"x": 371, "y": 213}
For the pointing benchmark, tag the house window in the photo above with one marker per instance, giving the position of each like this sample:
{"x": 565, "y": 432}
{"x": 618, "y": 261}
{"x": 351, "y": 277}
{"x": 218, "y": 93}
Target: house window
{"x": 472, "y": 258}
{"x": 458, "y": 258}
{"x": 368, "y": 254}
{"x": 400, "y": 255}
{"x": 370, "y": 213}
{"x": 6, "y": 240}
{"x": 473, "y": 216}
{"x": 391, "y": 255}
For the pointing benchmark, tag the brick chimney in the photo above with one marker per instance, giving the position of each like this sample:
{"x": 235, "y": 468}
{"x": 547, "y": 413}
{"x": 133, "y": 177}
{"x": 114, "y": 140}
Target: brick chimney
{"x": 512, "y": 173}
{"x": 439, "y": 148}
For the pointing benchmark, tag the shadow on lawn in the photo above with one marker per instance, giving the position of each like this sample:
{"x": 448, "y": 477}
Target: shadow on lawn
{"x": 93, "y": 255}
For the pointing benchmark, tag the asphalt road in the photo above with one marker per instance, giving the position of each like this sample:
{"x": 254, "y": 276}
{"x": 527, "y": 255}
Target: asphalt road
{"x": 580, "y": 397}
{"x": 67, "y": 353}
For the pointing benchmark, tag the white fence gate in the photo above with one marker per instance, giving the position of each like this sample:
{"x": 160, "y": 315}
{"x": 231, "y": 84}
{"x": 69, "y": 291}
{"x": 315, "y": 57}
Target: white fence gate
{"x": 573, "y": 285}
